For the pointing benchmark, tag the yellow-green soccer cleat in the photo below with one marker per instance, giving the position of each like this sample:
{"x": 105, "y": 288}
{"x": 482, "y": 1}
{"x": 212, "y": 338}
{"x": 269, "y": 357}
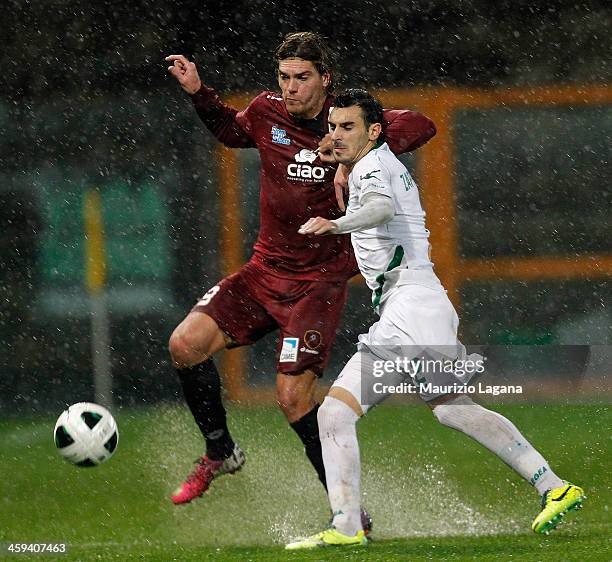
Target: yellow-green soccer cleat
{"x": 329, "y": 537}
{"x": 555, "y": 504}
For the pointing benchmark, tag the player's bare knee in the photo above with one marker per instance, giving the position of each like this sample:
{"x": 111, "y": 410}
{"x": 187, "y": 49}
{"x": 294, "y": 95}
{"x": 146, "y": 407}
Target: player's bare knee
{"x": 180, "y": 351}
{"x": 186, "y": 351}
{"x": 195, "y": 339}
{"x": 295, "y": 393}
{"x": 347, "y": 397}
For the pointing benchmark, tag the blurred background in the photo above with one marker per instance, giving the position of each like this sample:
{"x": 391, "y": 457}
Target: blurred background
{"x": 517, "y": 183}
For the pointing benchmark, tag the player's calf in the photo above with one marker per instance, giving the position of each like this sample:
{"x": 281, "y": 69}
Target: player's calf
{"x": 501, "y": 436}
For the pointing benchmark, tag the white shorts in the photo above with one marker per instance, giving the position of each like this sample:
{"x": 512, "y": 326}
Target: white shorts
{"x": 414, "y": 315}
{"x": 415, "y": 320}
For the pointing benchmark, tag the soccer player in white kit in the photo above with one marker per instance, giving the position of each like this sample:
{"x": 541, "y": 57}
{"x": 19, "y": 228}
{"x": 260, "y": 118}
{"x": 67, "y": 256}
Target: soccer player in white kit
{"x": 387, "y": 226}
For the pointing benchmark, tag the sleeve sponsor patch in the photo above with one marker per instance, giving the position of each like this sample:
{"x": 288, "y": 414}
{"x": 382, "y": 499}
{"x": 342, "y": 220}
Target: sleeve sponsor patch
{"x": 289, "y": 350}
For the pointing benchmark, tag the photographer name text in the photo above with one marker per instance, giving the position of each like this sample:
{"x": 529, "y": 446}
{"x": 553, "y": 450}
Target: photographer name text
{"x": 430, "y": 388}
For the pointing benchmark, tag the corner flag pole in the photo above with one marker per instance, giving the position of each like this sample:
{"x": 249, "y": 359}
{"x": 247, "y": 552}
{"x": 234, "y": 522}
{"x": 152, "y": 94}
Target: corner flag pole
{"x": 95, "y": 279}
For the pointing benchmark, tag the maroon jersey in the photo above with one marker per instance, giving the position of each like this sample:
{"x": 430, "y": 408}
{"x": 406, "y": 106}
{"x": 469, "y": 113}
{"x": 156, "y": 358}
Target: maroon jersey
{"x": 294, "y": 184}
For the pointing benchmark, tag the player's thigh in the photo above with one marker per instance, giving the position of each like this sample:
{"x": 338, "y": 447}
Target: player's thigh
{"x": 197, "y": 337}
{"x": 233, "y": 306}
{"x": 309, "y": 329}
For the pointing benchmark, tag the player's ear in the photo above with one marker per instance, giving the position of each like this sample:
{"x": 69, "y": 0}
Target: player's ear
{"x": 326, "y": 79}
{"x": 374, "y": 131}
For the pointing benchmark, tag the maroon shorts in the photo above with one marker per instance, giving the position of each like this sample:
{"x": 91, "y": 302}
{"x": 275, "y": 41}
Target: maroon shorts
{"x": 252, "y": 303}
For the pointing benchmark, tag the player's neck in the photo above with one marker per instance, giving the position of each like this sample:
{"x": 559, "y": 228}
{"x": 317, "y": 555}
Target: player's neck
{"x": 364, "y": 150}
{"x": 314, "y": 113}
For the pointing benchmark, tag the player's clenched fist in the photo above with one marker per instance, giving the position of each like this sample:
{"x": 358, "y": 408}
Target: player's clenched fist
{"x": 318, "y": 226}
{"x": 326, "y": 150}
{"x": 185, "y": 72}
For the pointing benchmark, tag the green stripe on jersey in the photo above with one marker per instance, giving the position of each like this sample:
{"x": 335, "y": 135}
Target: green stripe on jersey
{"x": 395, "y": 261}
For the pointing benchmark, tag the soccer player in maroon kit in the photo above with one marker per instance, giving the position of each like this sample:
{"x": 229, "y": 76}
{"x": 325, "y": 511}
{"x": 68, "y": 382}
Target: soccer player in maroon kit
{"x": 291, "y": 283}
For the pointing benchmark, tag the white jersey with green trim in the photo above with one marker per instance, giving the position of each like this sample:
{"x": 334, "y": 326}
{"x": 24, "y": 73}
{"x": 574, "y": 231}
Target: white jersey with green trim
{"x": 397, "y": 252}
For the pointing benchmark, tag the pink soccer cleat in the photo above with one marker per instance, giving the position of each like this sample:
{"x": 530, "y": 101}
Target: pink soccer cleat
{"x": 205, "y": 472}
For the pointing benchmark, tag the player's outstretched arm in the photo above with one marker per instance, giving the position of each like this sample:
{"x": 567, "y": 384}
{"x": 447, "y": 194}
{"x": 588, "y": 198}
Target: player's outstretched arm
{"x": 406, "y": 130}
{"x": 220, "y": 119}
{"x": 376, "y": 209}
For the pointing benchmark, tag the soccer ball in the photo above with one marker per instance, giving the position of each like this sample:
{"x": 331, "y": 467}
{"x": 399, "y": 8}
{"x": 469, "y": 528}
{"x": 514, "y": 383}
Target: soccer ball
{"x": 86, "y": 434}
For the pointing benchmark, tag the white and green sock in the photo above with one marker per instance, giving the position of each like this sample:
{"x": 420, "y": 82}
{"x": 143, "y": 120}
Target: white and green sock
{"x": 499, "y": 435}
{"x": 342, "y": 465}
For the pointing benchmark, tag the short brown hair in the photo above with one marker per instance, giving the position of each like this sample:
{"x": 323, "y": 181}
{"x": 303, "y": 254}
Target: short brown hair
{"x": 309, "y": 46}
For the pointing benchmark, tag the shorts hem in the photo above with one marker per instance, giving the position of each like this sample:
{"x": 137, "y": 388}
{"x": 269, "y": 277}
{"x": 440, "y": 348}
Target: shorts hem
{"x": 296, "y": 372}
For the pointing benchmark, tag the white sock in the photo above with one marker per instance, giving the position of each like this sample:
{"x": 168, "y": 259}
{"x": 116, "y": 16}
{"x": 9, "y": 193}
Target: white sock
{"x": 500, "y": 436}
{"x": 342, "y": 465}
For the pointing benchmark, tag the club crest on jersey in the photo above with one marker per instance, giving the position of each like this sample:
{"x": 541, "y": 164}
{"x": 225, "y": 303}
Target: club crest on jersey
{"x": 279, "y": 136}
{"x": 313, "y": 339}
{"x": 302, "y": 170}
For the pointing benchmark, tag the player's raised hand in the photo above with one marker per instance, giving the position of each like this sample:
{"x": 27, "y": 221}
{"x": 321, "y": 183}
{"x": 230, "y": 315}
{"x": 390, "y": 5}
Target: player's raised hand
{"x": 326, "y": 150}
{"x": 341, "y": 185}
{"x": 318, "y": 226}
{"x": 185, "y": 72}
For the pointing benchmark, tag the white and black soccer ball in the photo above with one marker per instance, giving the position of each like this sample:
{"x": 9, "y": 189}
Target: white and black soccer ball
{"x": 86, "y": 434}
